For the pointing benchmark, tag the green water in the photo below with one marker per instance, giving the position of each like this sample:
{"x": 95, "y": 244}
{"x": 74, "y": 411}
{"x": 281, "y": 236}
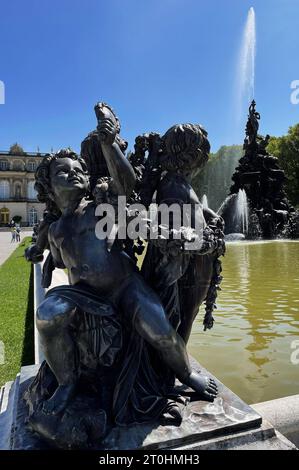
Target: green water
{"x": 249, "y": 348}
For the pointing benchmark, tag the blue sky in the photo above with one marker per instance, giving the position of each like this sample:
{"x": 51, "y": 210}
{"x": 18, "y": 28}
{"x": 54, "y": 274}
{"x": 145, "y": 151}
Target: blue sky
{"x": 157, "y": 62}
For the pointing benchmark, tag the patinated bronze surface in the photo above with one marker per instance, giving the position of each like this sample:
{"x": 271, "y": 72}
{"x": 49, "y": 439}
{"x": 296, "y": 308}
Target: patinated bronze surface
{"x": 115, "y": 338}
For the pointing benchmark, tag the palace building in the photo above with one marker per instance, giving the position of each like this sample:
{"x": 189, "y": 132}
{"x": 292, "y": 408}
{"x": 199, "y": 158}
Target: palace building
{"x": 17, "y": 194}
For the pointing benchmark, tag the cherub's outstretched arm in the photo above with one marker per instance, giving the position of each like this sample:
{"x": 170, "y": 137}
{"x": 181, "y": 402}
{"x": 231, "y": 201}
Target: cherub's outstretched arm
{"x": 34, "y": 252}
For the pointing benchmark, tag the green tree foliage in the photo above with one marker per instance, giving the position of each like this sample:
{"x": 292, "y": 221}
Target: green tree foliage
{"x": 286, "y": 149}
{"x": 215, "y": 179}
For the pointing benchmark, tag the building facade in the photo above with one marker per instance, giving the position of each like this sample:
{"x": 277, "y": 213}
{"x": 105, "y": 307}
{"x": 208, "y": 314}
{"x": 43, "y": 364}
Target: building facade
{"x": 17, "y": 194}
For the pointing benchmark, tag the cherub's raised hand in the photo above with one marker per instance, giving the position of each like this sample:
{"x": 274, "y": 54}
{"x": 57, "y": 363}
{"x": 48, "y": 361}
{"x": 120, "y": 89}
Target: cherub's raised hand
{"x": 108, "y": 124}
{"x": 107, "y": 131}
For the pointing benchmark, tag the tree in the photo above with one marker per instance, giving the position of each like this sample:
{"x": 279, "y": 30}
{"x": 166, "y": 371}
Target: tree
{"x": 17, "y": 219}
{"x": 216, "y": 178}
{"x": 16, "y": 149}
{"x": 286, "y": 149}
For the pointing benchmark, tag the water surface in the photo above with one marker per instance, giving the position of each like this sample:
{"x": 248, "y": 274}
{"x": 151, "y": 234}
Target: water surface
{"x": 249, "y": 348}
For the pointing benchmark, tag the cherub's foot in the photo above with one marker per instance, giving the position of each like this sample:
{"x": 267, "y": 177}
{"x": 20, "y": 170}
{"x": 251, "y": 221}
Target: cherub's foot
{"x": 205, "y": 386}
{"x": 59, "y": 400}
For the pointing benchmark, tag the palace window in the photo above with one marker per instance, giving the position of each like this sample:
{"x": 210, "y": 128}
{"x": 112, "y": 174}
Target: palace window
{"x": 31, "y": 166}
{"x": 3, "y": 165}
{"x": 18, "y": 191}
{"x": 4, "y": 189}
{"x": 31, "y": 193}
{"x": 32, "y": 216}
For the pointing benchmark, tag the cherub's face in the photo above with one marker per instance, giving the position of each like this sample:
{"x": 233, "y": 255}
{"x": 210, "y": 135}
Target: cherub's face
{"x": 67, "y": 175}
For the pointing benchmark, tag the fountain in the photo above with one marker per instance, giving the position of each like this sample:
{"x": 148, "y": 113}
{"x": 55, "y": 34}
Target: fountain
{"x": 234, "y": 209}
{"x": 258, "y": 179}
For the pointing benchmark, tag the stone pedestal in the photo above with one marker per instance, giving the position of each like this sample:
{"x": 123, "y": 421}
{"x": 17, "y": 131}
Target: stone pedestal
{"x": 228, "y": 423}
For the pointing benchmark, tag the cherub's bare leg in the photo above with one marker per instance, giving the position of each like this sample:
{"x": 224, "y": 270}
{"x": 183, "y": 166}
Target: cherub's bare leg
{"x": 54, "y": 316}
{"x": 151, "y": 323}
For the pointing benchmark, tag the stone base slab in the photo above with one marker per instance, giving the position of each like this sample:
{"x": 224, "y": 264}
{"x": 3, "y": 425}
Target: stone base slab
{"x": 228, "y": 423}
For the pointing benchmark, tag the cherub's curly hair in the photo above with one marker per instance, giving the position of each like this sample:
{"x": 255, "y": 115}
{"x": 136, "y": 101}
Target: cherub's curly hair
{"x": 42, "y": 177}
{"x": 185, "y": 146}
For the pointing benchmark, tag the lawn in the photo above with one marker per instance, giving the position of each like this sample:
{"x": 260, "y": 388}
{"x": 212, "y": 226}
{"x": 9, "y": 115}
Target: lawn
{"x": 16, "y": 313}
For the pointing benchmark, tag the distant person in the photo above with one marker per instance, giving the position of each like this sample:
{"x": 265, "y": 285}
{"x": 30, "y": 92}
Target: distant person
{"x": 13, "y": 234}
{"x": 18, "y": 234}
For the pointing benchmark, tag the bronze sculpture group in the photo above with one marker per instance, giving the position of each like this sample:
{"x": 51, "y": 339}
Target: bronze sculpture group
{"x": 115, "y": 338}
{"x": 258, "y": 173}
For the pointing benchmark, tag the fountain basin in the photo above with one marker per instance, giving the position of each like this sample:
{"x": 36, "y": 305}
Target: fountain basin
{"x": 232, "y": 237}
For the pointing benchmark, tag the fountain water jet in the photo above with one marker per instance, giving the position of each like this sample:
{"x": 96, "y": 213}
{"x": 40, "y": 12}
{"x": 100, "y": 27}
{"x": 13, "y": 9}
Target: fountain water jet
{"x": 246, "y": 64}
{"x": 242, "y": 211}
{"x": 235, "y": 211}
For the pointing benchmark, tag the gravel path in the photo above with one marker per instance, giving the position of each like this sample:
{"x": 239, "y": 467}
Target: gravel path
{"x": 6, "y": 247}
